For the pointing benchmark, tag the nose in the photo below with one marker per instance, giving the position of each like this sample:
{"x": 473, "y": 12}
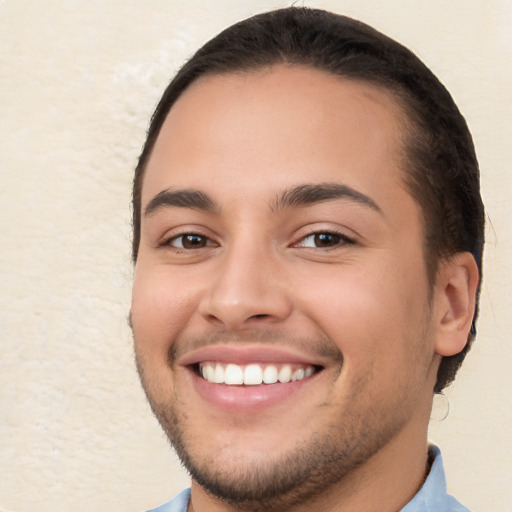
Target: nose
{"x": 249, "y": 289}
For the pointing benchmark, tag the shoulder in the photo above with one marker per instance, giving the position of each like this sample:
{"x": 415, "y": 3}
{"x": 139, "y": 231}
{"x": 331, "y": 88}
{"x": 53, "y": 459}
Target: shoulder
{"x": 177, "y": 504}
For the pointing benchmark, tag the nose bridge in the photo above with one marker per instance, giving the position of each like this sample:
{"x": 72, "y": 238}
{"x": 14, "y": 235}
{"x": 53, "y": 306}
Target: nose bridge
{"x": 248, "y": 285}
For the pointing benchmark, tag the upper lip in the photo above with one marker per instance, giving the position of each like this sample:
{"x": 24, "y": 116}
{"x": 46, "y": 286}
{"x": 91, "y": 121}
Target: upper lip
{"x": 250, "y": 354}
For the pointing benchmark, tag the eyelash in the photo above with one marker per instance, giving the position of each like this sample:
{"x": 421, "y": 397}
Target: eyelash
{"x": 342, "y": 239}
{"x": 168, "y": 242}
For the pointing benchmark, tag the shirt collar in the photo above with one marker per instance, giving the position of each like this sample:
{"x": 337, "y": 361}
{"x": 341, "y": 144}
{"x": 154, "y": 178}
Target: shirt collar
{"x": 433, "y": 497}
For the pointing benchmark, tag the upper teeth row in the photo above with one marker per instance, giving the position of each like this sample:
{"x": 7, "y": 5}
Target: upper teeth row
{"x": 253, "y": 374}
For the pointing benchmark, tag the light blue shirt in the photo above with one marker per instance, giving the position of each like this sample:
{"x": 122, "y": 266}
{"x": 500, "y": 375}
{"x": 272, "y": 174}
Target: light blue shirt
{"x": 432, "y": 497}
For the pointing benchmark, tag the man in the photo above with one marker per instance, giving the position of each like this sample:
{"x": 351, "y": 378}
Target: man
{"x": 308, "y": 232}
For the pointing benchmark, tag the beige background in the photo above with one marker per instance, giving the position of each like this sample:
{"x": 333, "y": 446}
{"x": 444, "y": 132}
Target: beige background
{"x": 78, "y": 81}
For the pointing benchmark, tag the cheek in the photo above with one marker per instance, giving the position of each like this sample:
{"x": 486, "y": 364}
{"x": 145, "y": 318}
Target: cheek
{"x": 370, "y": 313}
{"x": 161, "y": 305}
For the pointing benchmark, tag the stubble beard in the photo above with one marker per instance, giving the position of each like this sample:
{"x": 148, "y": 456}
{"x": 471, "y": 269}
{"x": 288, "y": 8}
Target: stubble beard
{"x": 314, "y": 466}
{"x": 358, "y": 428}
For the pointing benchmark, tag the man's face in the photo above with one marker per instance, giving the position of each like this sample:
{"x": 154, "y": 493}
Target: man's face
{"x": 279, "y": 243}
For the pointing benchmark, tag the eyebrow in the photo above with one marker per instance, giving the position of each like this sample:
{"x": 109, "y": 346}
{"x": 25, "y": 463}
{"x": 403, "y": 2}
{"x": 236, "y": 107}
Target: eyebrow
{"x": 186, "y": 198}
{"x": 295, "y": 197}
{"x": 308, "y": 194}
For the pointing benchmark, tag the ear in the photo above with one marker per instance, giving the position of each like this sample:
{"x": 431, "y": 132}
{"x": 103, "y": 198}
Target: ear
{"x": 455, "y": 296}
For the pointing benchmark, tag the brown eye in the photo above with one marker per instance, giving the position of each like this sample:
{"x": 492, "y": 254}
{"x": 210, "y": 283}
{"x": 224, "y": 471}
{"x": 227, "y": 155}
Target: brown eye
{"x": 190, "y": 241}
{"x": 326, "y": 239}
{"x": 323, "y": 240}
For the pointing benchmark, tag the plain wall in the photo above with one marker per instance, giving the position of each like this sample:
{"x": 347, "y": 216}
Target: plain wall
{"x": 78, "y": 82}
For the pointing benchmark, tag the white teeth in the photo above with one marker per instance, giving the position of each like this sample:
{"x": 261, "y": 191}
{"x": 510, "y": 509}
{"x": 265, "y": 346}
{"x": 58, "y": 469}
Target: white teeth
{"x": 298, "y": 374}
{"x": 210, "y": 373}
{"x": 285, "y": 374}
{"x": 233, "y": 375}
{"x": 253, "y": 374}
{"x": 218, "y": 374}
{"x": 270, "y": 374}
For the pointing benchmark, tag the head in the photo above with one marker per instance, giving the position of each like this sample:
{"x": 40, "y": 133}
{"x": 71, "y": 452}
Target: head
{"x": 442, "y": 171}
{"x": 306, "y": 202}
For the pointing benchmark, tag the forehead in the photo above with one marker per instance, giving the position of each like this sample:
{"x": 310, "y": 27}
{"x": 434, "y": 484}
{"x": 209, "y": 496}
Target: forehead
{"x": 272, "y": 127}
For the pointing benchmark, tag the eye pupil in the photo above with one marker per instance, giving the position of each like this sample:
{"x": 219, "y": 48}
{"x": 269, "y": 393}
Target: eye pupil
{"x": 193, "y": 241}
{"x": 326, "y": 239}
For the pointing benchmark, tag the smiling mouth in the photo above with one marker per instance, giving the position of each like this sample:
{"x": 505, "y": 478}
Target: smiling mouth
{"x": 253, "y": 374}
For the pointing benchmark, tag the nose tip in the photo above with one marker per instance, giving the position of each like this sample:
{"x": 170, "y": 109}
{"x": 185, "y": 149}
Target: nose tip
{"x": 241, "y": 297}
{"x": 236, "y": 314}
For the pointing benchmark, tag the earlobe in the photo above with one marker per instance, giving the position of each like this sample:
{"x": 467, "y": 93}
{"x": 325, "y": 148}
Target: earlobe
{"x": 456, "y": 289}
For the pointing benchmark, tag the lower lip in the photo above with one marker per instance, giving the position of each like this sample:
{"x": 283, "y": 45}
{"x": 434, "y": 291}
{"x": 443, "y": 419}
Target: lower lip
{"x": 247, "y": 399}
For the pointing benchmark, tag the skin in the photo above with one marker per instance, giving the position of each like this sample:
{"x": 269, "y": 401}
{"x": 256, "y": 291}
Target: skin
{"x": 358, "y": 305}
